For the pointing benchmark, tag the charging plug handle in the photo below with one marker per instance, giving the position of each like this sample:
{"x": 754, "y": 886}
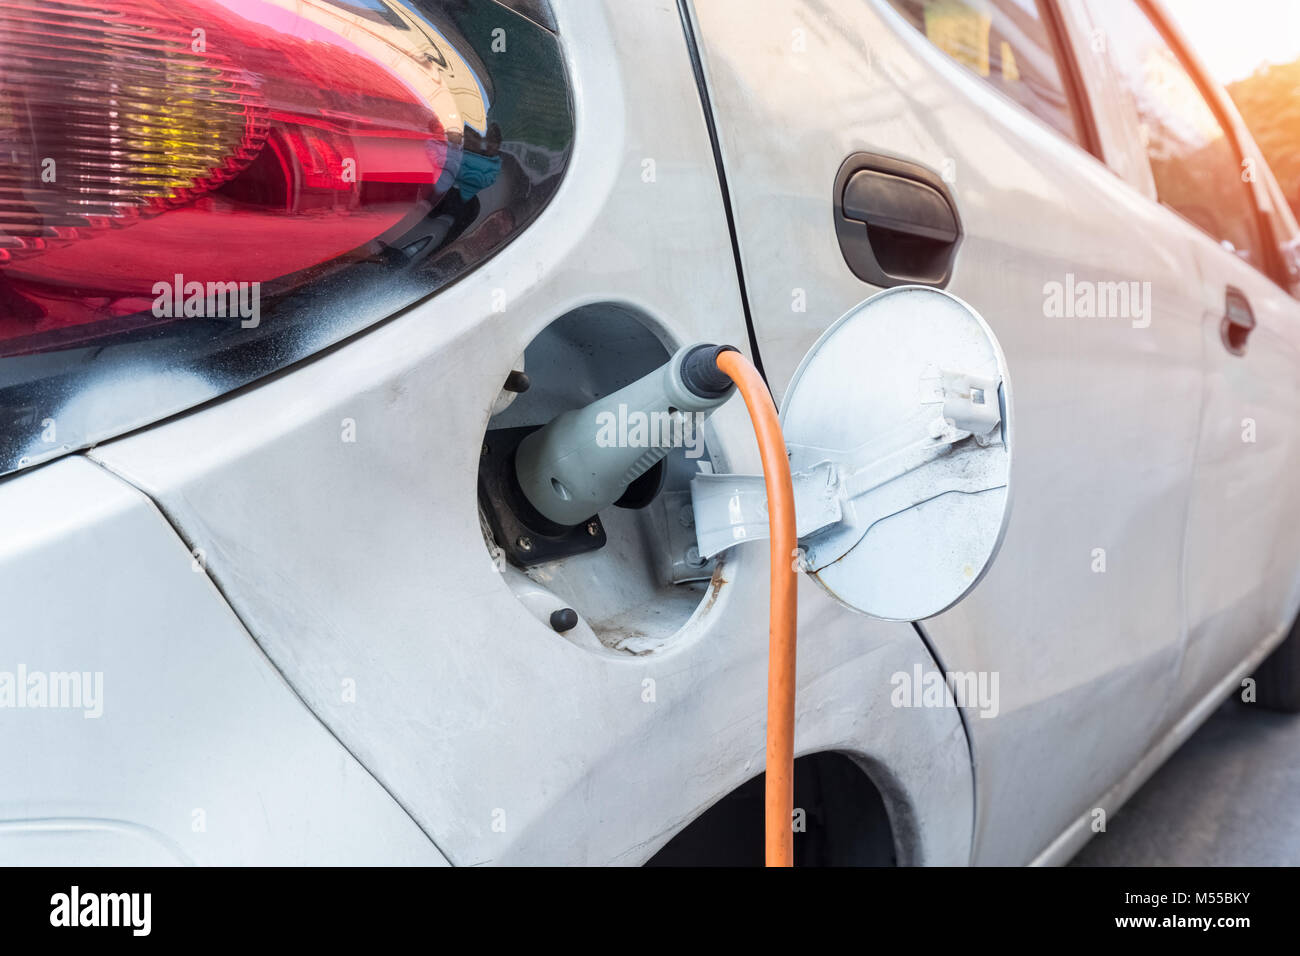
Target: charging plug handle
{"x": 583, "y": 460}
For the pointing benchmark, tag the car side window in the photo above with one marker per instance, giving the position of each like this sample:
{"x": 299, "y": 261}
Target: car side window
{"x": 1006, "y": 42}
{"x": 1196, "y": 168}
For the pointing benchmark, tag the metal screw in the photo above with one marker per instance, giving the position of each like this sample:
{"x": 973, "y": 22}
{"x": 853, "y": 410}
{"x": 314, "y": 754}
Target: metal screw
{"x": 593, "y": 528}
{"x": 693, "y": 558}
{"x": 524, "y": 543}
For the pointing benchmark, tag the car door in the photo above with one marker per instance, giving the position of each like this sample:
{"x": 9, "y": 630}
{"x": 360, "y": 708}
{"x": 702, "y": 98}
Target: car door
{"x": 1080, "y": 616}
{"x": 1242, "y": 549}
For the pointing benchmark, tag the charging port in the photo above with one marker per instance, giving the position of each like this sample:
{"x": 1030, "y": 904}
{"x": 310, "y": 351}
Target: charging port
{"x": 627, "y": 565}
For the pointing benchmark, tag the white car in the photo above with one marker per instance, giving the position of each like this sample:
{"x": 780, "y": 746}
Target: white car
{"x": 265, "y": 266}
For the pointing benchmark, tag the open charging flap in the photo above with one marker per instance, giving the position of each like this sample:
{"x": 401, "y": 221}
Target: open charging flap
{"x": 898, "y": 428}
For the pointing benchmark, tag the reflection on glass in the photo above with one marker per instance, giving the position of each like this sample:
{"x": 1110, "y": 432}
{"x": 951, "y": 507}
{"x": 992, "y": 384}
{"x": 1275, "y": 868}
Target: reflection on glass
{"x": 1004, "y": 41}
{"x": 1195, "y": 166}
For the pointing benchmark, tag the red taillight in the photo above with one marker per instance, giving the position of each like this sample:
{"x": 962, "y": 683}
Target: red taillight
{"x": 223, "y": 140}
{"x": 198, "y": 193}
{"x": 111, "y": 117}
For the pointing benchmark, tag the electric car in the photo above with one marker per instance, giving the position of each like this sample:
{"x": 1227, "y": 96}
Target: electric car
{"x": 283, "y": 282}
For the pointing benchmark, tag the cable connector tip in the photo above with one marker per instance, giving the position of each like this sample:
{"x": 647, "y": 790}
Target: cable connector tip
{"x": 700, "y": 372}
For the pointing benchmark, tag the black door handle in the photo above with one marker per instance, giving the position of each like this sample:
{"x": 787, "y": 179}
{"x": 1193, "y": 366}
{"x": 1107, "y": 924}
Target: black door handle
{"x": 1238, "y": 321}
{"x": 899, "y": 204}
{"x": 896, "y": 221}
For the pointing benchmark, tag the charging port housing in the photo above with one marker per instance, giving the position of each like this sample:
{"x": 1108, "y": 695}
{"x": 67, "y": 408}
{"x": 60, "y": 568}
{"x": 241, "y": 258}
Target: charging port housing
{"x": 631, "y": 571}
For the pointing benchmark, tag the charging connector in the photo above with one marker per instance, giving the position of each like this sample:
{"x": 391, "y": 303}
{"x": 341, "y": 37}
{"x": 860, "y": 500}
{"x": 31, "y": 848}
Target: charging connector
{"x": 584, "y": 460}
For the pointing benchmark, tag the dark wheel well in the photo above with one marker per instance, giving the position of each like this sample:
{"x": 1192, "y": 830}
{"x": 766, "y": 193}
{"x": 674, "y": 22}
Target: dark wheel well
{"x": 845, "y": 821}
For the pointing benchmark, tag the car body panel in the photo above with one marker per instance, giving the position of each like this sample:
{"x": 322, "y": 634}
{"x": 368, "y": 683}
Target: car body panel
{"x": 1243, "y": 538}
{"x": 200, "y": 753}
{"x": 365, "y": 560}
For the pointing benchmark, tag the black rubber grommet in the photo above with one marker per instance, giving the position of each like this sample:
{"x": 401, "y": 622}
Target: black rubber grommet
{"x": 565, "y": 619}
{"x": 517, "y": 382}
{"x": 700, "y": 372}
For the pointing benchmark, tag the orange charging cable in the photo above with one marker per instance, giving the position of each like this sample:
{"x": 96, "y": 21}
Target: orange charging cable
{"x": 779, "y": 795}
